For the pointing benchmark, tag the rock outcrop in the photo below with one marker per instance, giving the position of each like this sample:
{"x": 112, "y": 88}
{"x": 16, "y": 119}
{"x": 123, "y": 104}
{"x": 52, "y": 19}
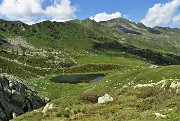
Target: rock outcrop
{"x": 172, "y": 85}
{"x": 16, "y": 98}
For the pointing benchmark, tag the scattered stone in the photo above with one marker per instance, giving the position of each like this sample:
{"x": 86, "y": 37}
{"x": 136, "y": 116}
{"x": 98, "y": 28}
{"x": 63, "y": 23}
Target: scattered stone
{"x": 164, "y": 85}
{"x": 48, "y": 107}
{"x": 170, "y": 109}
{"x": 14, "y": 115}
{"x": 47, "y": 99}
{"x": 158, "y": 115}
{"x": 36, "y": 111}
{"x": 105, "y": 98}
{"x": 125, "y": 86}
{"x": 175, "y": 86}
{"x": 143, "y": 85}
{"x": 153, "y": 66}
{"x": 168, "y": 84}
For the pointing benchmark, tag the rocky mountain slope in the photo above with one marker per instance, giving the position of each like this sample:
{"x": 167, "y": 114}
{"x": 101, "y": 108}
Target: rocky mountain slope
{"x": 17, "y": 98}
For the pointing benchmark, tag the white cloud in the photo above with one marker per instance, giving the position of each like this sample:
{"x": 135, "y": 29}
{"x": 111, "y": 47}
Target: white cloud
{"x": 29, "y": 11}
{"x": 176, "y": 19}
{"x": 105, "y": 17}
{"x": 61, "y": 11}
{"x": 23, "y": 10}
{"x": 161, "y": 14}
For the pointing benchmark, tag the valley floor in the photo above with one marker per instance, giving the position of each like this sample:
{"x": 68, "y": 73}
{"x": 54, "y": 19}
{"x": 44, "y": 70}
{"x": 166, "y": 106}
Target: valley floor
{"x": 141, "y": 92}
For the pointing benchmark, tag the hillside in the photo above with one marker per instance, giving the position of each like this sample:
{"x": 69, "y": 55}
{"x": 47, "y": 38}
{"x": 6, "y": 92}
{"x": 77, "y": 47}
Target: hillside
{"x": 138, "y": 63}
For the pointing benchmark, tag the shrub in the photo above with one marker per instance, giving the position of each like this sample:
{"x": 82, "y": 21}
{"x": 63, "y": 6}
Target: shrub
{"x": 75, "y": 111}
{"x": 66, "y": 114}
{"x": 59, "y": 114}
{"x": 63, "y": 113}
{"x": 79, "y": 110}
{"x": 84, "y": 110}
{"x": 90, "y": 97}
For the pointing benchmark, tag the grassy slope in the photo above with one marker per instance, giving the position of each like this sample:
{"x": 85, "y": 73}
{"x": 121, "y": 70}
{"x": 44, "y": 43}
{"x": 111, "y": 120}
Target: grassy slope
{"x": 151, "y": 38}
{"x": 98, "y": 61}
{"x": 60, "y": 36}
{"x": 72, "y": 37}
{"x": 32, "y": 65}
{"x": 132, "y": 104}
{"x": 121, "y": 68}
{"x": 66, "y": 36}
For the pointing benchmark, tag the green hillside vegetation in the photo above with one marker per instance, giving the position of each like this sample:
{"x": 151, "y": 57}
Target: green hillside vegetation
{"x": 127, "y": 53}
{"x": 157, "y": 38}
{"x": 132, "y": 104}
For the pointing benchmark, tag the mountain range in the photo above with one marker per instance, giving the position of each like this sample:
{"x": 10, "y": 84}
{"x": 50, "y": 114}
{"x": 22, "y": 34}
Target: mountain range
{"x": 128, "y": 53}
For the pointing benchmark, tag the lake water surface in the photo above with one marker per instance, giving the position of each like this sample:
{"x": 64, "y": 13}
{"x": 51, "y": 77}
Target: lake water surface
{"x": 74, "y": 79}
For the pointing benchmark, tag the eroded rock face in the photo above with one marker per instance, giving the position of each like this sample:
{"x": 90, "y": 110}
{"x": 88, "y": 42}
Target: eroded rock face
{"x": 17, "y": 98}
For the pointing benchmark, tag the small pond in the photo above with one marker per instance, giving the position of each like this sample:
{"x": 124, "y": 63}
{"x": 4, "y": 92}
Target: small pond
{"x": 74, "y": 79}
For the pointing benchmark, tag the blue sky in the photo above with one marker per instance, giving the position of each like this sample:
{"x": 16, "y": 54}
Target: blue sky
{"x": 135, "y": 9}
{"x": 150, "y": 12}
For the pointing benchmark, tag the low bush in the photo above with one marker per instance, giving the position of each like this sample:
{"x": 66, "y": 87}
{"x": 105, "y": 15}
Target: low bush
{"x": 90, "y": 97}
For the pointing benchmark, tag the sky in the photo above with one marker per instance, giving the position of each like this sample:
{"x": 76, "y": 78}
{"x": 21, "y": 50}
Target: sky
{"x": 150, "y": 12}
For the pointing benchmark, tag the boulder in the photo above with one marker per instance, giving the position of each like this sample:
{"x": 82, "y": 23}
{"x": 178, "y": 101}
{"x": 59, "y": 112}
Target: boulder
{"x": 105, "y": 98}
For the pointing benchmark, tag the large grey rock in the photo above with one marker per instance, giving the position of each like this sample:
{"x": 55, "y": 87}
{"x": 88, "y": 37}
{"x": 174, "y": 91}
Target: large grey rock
{"x": 16, "y": 98}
